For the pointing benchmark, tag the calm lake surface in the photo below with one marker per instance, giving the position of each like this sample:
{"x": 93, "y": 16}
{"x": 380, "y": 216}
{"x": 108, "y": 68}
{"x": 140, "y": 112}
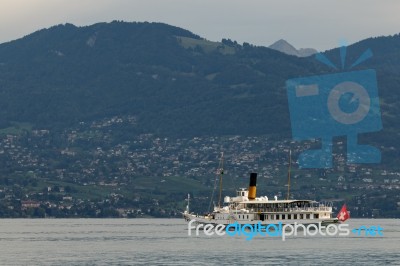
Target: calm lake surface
{"x": 166, "y": 242}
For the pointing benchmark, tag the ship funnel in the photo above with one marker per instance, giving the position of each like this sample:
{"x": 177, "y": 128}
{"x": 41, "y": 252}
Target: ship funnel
{"x": 252, "y": 186}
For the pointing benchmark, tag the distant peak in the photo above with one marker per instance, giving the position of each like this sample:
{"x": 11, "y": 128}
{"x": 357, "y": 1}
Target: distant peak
{"x": 285, "y": 47}
{"x": 281, "y": 42}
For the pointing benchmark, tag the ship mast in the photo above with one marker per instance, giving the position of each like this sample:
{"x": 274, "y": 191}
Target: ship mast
{"x": 221, "y": 173}
{"x": 290, "y": 164}
{"x": 188, "y": 201}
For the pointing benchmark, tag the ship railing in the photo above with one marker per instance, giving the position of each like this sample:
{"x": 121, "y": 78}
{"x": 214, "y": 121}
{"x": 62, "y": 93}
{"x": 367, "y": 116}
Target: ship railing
{"x": 296, "y": 209}
{"x": 320, "y": 208}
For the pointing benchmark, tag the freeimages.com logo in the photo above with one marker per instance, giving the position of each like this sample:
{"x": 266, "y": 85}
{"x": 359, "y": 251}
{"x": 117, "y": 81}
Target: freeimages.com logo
{"x": 340, "y": 104}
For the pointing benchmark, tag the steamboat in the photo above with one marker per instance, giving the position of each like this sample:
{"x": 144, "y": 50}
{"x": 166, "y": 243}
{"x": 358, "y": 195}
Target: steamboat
{"x": 246, "y": 208}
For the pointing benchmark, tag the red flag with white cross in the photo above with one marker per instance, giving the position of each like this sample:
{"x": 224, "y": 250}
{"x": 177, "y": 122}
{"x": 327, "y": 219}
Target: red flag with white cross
{"x": 343, "y": 215}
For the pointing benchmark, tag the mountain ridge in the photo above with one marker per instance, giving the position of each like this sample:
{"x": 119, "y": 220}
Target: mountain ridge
{"x": 173, "y": 81}
{"x": 124, "y": 119}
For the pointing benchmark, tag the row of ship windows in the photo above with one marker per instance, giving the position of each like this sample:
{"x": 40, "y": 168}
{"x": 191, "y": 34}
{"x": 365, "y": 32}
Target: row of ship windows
{"x": 290, "y": 216}
{"x": 281, "y": 216}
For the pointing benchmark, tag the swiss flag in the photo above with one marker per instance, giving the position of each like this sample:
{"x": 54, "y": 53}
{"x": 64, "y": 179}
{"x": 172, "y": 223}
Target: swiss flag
{"x": 343, "y": 215}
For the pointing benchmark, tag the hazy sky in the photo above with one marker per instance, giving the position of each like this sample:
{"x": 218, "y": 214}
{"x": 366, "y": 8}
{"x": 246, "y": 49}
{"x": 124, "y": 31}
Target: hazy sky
{"x": 321, "y": 24}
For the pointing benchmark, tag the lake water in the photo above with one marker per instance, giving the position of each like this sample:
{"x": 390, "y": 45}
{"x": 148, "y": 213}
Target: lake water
{"x": 166, "y": 241}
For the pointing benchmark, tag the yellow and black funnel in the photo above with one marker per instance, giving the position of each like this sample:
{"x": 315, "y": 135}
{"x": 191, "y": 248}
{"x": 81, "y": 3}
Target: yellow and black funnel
{"x": 252, "y": 186}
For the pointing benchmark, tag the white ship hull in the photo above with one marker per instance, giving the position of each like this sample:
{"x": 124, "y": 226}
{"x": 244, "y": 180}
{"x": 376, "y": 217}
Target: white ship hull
{"x": 197, "y": 220}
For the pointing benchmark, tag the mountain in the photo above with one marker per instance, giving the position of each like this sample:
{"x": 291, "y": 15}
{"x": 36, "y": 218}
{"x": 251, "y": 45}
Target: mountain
{"x": 172, "y": 81}
{"x": 286, "y": 48}
{"x": 126, "y": 118}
